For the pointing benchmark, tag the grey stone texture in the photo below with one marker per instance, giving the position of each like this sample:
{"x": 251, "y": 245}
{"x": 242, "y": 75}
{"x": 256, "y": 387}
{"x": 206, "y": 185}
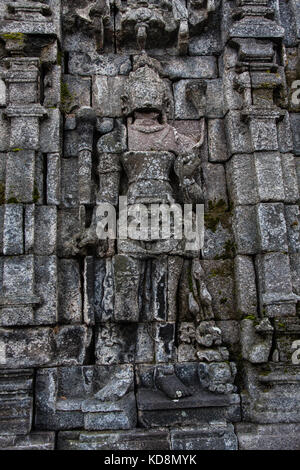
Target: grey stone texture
{"x": 149, "y": 343}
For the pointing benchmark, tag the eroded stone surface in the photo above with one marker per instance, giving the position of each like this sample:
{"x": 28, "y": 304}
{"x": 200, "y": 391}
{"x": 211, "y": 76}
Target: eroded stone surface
{"x": 149, "y": 343}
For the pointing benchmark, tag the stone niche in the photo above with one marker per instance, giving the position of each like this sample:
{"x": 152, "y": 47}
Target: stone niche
{"x": 150, "y": 342}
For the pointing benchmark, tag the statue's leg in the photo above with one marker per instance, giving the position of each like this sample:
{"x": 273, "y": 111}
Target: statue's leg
{"x": 166, "y": 277}
{"x": 127, "y": 278}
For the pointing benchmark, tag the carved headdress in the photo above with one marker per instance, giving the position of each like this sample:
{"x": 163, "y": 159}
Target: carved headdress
{"x": 145, "y": 90}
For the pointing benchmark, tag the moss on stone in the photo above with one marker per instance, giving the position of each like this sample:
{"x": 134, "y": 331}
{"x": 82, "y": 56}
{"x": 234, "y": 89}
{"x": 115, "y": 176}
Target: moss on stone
{"x": 19, "y": 38}
{"x": 224, "y": 270}
{"x": 35, "y": 194}
{"x": 12, "y": 200}
{"x": 59, "y": 57}
{"x": 66, "y": 97}
{"x": 217, "y": 213}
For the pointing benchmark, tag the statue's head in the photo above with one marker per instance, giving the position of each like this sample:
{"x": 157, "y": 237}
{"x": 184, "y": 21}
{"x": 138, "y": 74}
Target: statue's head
{"x": 144, "y": 89}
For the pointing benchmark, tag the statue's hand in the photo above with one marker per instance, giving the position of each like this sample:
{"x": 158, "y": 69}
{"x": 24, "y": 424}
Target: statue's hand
{"x": 190, "y": 163}
{"x": 88, "y": 238}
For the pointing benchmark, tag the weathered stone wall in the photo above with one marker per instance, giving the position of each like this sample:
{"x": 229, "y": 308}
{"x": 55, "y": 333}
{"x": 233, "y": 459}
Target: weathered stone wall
{"x": 143, "y": 344}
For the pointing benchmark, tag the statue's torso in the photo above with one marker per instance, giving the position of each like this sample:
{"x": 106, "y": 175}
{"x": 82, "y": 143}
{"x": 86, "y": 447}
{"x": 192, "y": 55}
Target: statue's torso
{"x": 148, "y": 176}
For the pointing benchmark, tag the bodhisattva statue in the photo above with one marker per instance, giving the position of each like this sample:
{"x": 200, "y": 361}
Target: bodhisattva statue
{"x": 161, "y": 167}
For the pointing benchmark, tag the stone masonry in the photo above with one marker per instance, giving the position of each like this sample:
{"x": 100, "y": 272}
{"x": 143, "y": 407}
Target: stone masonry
{"x": 147, "y": 345}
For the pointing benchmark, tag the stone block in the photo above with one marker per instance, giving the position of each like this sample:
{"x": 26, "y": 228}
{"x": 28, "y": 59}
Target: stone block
{"x": 20, "y": 175}
{"x": 127, "y": 272}
{"x": 24, "y": 132}
{"x": 245, "y": 286}
{"x": 214, "y": 183}
{"x": 159, "y": 290}
{"x": 69, "y": 182}
{"x": 256, "y": 340}
{"x": 4, "y": 132}
{"x": 230, "y": 334}
{"x": 273, "y": 396}
{"x": 145, "y": 344}
{"x": 105, "y": 125}
{"x": 217, "y": 141}
{"x": 286, "y": 340}
{"x": 212, "y": 436}
{"x": 269, "y": 176}
{"x": 17, "y": 290}
{"x": 275, "y": 284}
{"x": 272, "y": 228}
{"x": 2, "y": 174}
{"x": 69, "y": 223}
{"x": 53, "y": 179}
{"x": 2, "y": 209}
{"x": 74, "y": 401}
{"x": 208, "y": 43}
{"x": 2, "y": 93}
{"x": 135, "y": 439}
{"x": 98, "y": 289}
{"x": 39, "y": 186}
{"x": 79, "y": 41}
{"x": 71, "y": 143}
{"x": 233, "y": 100}
{"x": 219, "y": 278}
{"x": 190, "y": 67}
{"x": 295, "y": 7}
{"x": 184, "y": 109}
{"x": 32, "y": 441}
{"x": 238, "y": 138}
{"x": 107, "y": 93}
{"x": 295, "y": 271}
{"x": 69, "y": 292}
{"x": 16, "y": 389}
{"x": 256, "y": 27}
{"x": 45, "y": 270}
{"x": 289, "y": 174}
{"x": 13, "y": 239}
{"x": 295, "y": 124}
{"x": 164, "y": 342}
{"x": 244, "y": 224}
{"x": 115, "y": 343}
{"x": 114, "y": 142}
{"x": 45, "y": 230}
{"x": 218, "y": 241}
{"x": 43, "y": 346}
{"x": 263, "y": 134}
{"x": 285, "y": 137}
{"x": 29, "y": 228}
{"x": 156, "y": 410}
{"x": 50, "y": 133}
{"x": 292, "y": 216}
{"x": 275, "y": 436}
{"x": 92, "y": 64}
{"x": 118, "y": 415}
{"x": 214, "y": 99}
{"x": 241, "y": 180}
{"x": 52, "y": 87}
{"x": 76, "y": 92}
{"x": 175, "y": 266}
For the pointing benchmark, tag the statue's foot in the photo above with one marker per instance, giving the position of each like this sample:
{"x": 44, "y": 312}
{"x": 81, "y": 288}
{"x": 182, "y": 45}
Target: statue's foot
{"x": 172, "y": 386}
{"x": 119, "y": 385}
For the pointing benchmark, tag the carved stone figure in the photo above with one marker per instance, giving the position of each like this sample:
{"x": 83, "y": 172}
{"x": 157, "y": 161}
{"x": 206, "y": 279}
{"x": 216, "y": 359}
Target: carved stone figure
{"x": 155, "y": 150}
{"x": 121, "y": 334}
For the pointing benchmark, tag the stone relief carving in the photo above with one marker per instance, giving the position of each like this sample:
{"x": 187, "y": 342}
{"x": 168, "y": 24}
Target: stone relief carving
{"x": 146, "y": 344}
{"x": 155, "y": 148}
